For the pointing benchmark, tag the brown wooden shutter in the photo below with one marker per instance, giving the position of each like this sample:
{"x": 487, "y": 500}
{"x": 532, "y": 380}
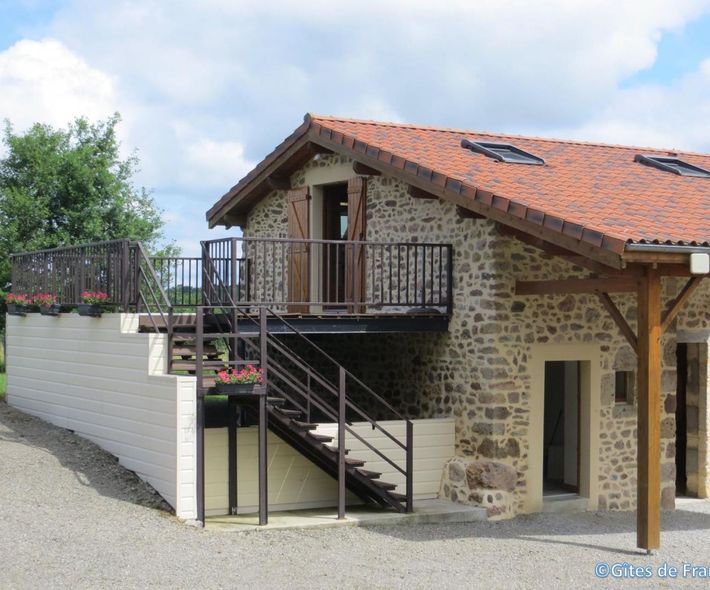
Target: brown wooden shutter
{"x": 298, "y": 201}
{"x": 355, "y": 287}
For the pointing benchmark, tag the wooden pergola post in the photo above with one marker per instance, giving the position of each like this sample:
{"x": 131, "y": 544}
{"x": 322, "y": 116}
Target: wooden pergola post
{"x": 648, "y": 511}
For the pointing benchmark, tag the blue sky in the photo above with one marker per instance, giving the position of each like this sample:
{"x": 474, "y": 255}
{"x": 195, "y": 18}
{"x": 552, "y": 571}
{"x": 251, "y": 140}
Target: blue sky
{"x": 207, "y": 88}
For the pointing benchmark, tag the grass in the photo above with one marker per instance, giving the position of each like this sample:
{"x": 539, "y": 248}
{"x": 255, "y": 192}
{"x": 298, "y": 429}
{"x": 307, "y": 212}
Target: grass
{"x": 2, "y": 385}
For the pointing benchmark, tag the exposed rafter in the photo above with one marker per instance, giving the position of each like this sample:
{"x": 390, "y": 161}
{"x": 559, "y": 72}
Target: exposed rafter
{"x": 233, "y": 219}
{"x": 364, "y": 170}
{"x": 278, "y": 182}
{"x": 467, "y": 213}
{"x": 418, "y": 193}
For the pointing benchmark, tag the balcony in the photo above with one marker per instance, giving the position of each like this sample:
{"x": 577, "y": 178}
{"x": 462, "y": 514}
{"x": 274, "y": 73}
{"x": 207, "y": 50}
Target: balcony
{"x": 337, "y": 285}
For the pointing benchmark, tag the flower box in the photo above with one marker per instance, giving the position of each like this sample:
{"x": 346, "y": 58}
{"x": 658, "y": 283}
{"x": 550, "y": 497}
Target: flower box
{"x": 17, "y": 309}
{"x": 235, "y": 388}
{"x": 90, "y": 309}
{"x": 52, "y": 310}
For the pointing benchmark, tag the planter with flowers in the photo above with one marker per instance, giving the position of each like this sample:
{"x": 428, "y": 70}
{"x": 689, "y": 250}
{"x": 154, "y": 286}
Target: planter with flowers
{"x": 92, "y": 303}
{"x": 18, "y": 304}
{"x": 47, "y": 304}
{"x": 242, "y": 382}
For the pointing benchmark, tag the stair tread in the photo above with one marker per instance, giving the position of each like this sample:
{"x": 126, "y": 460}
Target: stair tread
{"x": 289, "y": 412}
{"x": 334, "y": 449}
{"x": 368, "y": 474}
{"x": 303, "y": 425}
{"x": 189, "y": 352}
{"x": 384, "y": 485}
{"x": 320, "y": 437}
{"x": 352, "y": 462}
{"x": 398, "y": 496}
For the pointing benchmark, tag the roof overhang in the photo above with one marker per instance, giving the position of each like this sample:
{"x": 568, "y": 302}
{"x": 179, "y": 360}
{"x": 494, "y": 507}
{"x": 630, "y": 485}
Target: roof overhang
{"x": 313, "y": 137}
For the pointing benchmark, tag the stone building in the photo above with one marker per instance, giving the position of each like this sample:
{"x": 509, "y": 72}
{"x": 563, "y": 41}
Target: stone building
{"x": 563, "y": 321}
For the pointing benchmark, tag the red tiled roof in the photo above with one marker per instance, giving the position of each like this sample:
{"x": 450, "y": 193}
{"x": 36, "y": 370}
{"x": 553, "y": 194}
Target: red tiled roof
{"x": 596, "y": 186}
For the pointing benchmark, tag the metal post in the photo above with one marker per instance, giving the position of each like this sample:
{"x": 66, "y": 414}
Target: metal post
{"x": 125, "y": 276}
{"x": 449, "y": 280}
{"x": 410, "y": 466}
{"x": 263, "y": 465}
{"x": 200, "y": 418}
{"x": 341, "y": 445}
{"x": 232, "y": 409}
{"x": 263, "y": 423}
{"x": 171, "y": 337}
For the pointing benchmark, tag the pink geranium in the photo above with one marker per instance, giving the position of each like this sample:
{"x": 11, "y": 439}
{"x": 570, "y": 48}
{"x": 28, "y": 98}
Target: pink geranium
{"x": 94, "y": 297}
{"x": 17, "y": 299}
{"x": 44, "y": 299}
{"x": 247, "y": 375}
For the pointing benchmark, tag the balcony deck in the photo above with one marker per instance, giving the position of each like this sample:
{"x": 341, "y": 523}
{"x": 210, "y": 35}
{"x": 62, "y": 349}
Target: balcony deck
{"x": 322, "y": 323}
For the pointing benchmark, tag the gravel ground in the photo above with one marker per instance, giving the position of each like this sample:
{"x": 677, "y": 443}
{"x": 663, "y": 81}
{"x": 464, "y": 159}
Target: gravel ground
{"x": 71, "y": 517}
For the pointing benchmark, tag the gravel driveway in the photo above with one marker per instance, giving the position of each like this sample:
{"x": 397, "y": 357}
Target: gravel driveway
{"x": 70, "y": 517}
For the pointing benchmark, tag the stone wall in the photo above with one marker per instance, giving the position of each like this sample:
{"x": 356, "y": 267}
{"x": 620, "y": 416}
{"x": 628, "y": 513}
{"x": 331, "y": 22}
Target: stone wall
{"x": 479, "y": 372}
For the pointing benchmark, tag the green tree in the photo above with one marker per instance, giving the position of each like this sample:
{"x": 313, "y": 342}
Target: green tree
{"x": 60, "y": 187}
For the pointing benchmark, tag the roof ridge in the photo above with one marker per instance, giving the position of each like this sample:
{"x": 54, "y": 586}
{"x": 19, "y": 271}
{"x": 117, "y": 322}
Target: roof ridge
{"x": 667, "y": 151}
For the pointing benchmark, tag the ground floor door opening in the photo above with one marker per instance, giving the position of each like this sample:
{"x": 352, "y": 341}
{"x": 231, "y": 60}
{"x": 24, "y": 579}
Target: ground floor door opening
{"x": 561, "y": 438}
{"x": 681, "y": 421}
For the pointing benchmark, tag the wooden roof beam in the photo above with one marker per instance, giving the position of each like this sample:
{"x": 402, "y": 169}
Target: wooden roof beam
{"x": 567, "y": 286}
{"x": 278, "y": 182}
{"x": 234, "y": 219}
{"x": 418, "y": 193}
{"x": 363, "y": 170}
{"x": 464, "y": 213}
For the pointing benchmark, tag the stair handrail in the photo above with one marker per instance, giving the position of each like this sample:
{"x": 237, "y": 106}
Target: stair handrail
{"x": 160, "y": 299}
{"x": 280, "y": 371}
{"x": 344, "y": 373}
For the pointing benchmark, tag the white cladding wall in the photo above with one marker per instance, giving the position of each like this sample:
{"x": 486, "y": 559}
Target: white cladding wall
{"x": 105, "y": 381}
{"x": 100, "y": 378}
{"x": 295, "y": 482}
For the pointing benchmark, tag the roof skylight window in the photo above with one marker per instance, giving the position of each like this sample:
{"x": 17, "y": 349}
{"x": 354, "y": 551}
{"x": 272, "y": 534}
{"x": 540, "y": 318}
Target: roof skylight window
{"x": 503, "y": 152}
{"x": 671, "y": 164}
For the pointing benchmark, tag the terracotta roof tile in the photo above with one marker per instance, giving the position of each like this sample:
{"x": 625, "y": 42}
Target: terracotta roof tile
{"x": 588, "y": 190}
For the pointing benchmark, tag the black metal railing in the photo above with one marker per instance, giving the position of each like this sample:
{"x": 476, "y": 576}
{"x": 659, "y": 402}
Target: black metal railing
{"x": 296, "y": 275}
{"x": 109, "y": 267}
{"x": 287, "y": 275}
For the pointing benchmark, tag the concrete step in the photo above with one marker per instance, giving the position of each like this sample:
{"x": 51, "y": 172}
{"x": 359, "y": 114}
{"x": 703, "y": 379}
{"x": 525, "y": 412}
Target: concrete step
{"x": 564, "y": 503}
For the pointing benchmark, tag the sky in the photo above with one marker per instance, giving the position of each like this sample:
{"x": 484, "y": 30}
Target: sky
{"x": 207, "y": 88}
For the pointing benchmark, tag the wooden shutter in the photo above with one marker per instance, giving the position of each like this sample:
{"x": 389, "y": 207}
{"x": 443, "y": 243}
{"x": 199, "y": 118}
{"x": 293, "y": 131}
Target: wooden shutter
{"x": 299, "y": 266}
{"x": 355, "y": 254}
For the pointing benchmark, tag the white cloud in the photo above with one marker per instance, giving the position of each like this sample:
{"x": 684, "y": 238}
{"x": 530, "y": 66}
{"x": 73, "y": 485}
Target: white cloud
{"x": 673, "y": 116}
{"x": 45, "y": 81}
{"x": 207, "y": 89}
{"x": 210, "y": 163}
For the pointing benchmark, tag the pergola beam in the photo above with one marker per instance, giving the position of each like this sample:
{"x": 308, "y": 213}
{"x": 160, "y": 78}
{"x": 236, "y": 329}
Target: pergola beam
{"x": 680, "y": 301}
{"x": 567, "y": 286}
{"x": 620, "y": 320}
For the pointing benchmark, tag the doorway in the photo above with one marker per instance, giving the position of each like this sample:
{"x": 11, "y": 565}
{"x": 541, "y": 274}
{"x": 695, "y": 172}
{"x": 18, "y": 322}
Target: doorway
{"x": 561, "y": 434}
{"x": 335, "y": 229}
{"x": 681, "y": 421}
